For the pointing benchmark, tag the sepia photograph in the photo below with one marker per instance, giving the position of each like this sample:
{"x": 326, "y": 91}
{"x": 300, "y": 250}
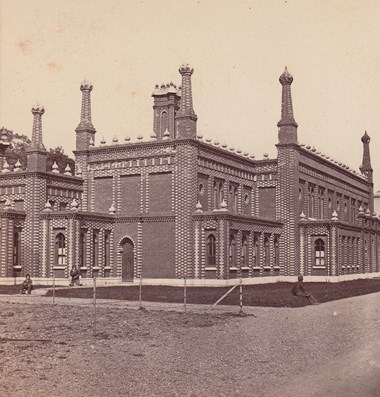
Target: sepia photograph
{"x": 189, "y": 198}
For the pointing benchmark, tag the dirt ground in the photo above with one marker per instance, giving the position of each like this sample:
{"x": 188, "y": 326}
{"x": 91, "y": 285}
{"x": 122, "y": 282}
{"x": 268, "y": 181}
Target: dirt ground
{"x": 56, "y": 351}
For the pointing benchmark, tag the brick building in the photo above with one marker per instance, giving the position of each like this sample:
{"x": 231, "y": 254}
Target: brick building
{"x": 177, "y": 206}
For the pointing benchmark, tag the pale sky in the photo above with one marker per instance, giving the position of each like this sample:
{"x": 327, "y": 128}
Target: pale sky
{"x": 238, "y": 51}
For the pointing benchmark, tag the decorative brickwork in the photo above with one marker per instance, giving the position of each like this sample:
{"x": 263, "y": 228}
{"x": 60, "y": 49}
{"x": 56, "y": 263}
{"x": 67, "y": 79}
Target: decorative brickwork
{"x": 180, "y": 206}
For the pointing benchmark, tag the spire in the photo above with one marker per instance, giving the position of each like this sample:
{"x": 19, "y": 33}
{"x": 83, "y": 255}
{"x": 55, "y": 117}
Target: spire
{"x": 287, "y": 125}
{"x": 85, "y": 117}
{"x": 366, "y": 168}
{"x": 85, "y": 130}
{"x": 37, "y": 144}
{"x": 186, "y": 119}
{"x": 36, "y": 153}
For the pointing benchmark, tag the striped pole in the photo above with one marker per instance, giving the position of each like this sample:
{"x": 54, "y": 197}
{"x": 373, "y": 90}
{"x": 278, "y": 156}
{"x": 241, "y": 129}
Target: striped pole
{"x": 53, "y": 287}
{"x": 140, "y": 292}
{"x": 94, "y": 302}
{"x": 184, "y": 294}
{"x": 241, "y": 296}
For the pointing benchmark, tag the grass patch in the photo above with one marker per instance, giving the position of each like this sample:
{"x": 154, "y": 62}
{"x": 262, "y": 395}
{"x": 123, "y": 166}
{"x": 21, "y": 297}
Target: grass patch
{"x": 15, "y": 289}
{"x": 271, "y": 295}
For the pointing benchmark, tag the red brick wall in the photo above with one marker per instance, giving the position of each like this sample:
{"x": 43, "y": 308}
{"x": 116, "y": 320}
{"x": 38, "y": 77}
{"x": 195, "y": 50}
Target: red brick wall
{"x": 160, "y": 192}
{"x": 158, "y": 250}
{"x": 130, "y": 187}
{"x": 103, "y": 194}
{"x": 267, "y": 202}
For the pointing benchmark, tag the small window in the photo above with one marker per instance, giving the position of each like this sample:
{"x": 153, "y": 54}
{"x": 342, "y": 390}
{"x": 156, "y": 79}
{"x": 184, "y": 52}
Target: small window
{"x": 60, "y": 250}
{"x": 319, "y": 249}
{"x": 211, "y": 250}
{"x": 244, "y": 252}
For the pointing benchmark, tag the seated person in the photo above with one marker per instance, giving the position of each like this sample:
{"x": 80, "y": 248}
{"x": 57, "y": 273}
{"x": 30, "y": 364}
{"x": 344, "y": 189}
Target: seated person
{"x": 299, "y": 290}
{"x": 74, "y": 274}
{"x": 26, "y": 285}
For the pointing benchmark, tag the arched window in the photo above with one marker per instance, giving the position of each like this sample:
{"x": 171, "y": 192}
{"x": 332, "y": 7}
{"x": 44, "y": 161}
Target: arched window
{"x": 256, "y": 251}
{"x": 210, "y": 250}
{"x": 276, "y": 253}
{"x": 17, "y": 249}
{"x": 164, "y": 121}
{"x": 60, "y": 250}
{"x": 232, "y": 251}
{"x": 235, "y": 205}
{"x": 266, "y": 252}
{"x": 244, "y": 252}
{"x": 82, "y": 249}
{"x": 95, "y": 247}
{"x": 107, "y": 249}
{"x": 218, "y": 194}
{"x": 319, "y": 249}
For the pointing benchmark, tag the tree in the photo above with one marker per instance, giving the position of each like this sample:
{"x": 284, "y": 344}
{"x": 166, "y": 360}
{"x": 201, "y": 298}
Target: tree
{"x": 18, "y": 151}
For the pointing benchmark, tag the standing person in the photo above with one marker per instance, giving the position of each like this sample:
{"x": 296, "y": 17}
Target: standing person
{"x": 27, "y": 285}
{"x": 299, "y": 290}
{"x": 74, "y": 274}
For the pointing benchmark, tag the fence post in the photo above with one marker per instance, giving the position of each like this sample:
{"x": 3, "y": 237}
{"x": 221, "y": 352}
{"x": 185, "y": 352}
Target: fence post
{"x": 184, "y": 294}
{"x": 241, "y": 297}
{"x": 140, "y": 293}
{"x": 53, "y": 287}
{"x": 94, "y": 302}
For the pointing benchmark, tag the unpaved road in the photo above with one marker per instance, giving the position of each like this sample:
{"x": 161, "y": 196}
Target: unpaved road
{"x": 327, "y": 350}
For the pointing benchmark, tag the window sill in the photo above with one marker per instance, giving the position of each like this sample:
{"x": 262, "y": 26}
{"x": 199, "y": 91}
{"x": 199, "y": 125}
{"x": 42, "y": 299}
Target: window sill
{"x": 210, "y": 268}
{"x": 59, "y": 267}
{"x": 233, "y": 268}
{"x": 17, "y": 267}
{"x": 83, "y": 268}
{"x": 96, "y": 268}
{"x": 256, "y": 268}
{"x": 107, "y": 267}
{"x": 245, "y": 268}
{"x": 276, "y": 268}
{"x": 267, "y": 267}
{"x": 319, "y": 267}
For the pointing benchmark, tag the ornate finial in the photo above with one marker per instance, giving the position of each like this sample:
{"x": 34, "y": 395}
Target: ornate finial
{"x": 223, "y": 206}
{"x": 166, "y": 135}
{"x": 198, "y": 207}
{"x": 86, "y": 86}
{"x": 112, "y": 209}
{"x": 7, "y": 204}
{"x": 55, "y": 168}
{"x": 74, "y": 205}
{"x": 5, "y": 167}
{"x": 334, "y": 216}
{"x": 38, "y": 109}
{"x": 115, "y": 140}
{"x": 79, "y": 171}
{"x": 17, "y": 166}
{"x": 286, "y": 77}
{"x": 47, "y": 206}
{"x": 186, "y": 69}
{"x": 67, "y": 170}
{"x": 366, "y": 138}
{"x": 127, "y": 138}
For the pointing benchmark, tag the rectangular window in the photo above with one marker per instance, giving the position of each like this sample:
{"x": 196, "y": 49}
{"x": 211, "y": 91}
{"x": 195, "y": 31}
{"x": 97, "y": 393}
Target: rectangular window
{"x": 95, "y": 248}
{"x": 107, "y": 249}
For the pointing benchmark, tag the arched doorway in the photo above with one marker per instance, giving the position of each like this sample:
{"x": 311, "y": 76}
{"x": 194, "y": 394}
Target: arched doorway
{"x": 127, "y": 260}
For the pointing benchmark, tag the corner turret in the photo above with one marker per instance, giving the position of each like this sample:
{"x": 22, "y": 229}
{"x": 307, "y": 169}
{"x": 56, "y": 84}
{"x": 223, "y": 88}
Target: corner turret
{"x": 287, "y": 125}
